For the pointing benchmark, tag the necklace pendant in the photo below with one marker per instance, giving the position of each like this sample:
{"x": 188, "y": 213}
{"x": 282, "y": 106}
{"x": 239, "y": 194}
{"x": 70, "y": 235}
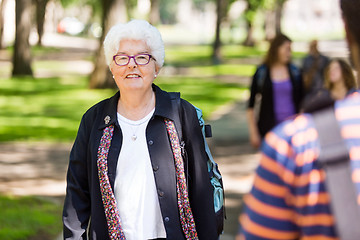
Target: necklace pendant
{"x": 133, "y": 137}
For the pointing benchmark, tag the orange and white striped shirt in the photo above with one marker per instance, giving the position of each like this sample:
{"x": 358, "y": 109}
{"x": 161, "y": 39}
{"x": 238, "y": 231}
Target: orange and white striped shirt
{"x": 289, "y": 199}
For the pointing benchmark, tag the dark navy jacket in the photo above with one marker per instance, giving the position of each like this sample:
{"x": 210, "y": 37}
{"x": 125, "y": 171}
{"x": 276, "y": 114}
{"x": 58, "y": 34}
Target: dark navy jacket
{"x": 262, "y": 84}
{"x": 83, "y": 207}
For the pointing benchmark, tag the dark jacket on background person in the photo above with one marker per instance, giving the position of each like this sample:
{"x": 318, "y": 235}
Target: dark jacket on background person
{"x": 83, "y": 204}
{"x": 313, "y": 69}
{"x": 262, "y": 84}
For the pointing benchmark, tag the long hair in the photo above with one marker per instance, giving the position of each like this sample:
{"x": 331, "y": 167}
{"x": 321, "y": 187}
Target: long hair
{"x": 272, "y": 55}
{"x": 346, "y": 73}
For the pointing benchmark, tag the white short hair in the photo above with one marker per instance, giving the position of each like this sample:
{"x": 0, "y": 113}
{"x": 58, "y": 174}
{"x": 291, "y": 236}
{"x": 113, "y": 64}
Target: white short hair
{"x": 134, "y": 30}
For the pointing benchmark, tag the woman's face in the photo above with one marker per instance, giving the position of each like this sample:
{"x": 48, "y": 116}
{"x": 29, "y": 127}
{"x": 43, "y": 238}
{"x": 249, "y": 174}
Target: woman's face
{"x": 284, "y": 53}
{"x": 335, "y": 73}
{"x": 133, "y": 76}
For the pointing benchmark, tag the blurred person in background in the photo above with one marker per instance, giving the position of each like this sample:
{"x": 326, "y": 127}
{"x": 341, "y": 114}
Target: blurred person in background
{"x": 124, "y": 180}
{"x": 276, "y": 90}
{"x": 289, "y": 199}
{"x": 313, "y": 68}
{"x": 339, "y": 79}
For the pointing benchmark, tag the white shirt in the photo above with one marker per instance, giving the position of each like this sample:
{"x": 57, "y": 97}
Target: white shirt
{"x": 135, "y": 189}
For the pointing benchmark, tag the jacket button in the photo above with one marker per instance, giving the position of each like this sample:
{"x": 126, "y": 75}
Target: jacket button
{"x": 166, "y": 219}
{"x": 161, "y": 193}
{"x": 151, "y": 142}
{"x": 155, "y": 168}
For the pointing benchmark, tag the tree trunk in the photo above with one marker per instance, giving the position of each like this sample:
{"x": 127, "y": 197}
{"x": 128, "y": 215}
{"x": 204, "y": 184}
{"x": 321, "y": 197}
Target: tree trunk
{"x": 249, "y": 41}
{"x": 22, "y": 51}
{"x": 216, "y": 56}
{"x": 154, "y": 17}
{"x": 101, "y": 76}
{"x": 269, "y": 25}
{"x": 2, "y": 11}
{"x": 278, "y": 15}
{"x": 40, "y": 18}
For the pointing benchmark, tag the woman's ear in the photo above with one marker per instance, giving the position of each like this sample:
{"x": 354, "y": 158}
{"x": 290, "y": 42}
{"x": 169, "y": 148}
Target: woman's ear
{"x": 157, "y": 70}
{"x": 111, "y": 66}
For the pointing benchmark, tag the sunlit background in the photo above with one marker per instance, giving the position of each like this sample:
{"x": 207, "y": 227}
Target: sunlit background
{"x": 212, "y": 50}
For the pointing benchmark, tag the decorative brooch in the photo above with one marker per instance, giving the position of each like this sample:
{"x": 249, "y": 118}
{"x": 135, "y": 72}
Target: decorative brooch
{"x": 107, "y": 119}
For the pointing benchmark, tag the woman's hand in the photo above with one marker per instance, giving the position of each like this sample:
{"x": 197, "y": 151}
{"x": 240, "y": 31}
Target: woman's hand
{"x": 254, "y": 136}
{"x": 255, "y": 139}
{"x": 239, "y": 237}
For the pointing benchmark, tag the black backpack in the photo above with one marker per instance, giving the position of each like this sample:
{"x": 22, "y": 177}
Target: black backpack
{"x": 214, "y": 173}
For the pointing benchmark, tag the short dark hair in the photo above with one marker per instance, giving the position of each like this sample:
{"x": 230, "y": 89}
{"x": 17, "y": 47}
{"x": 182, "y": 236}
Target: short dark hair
{"x": 272, "y": 54}
{"x": 350, "y": 10}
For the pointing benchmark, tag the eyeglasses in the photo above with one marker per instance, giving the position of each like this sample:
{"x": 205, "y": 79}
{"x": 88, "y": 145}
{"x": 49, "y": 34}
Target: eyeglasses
{"x": 140, "y": 59}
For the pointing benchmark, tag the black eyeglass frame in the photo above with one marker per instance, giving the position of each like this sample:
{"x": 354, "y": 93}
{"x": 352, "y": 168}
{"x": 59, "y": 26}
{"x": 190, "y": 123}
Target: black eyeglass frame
{"x": 133, "y": 57}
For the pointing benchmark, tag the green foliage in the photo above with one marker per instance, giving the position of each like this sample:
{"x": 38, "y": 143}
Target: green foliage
{"x": 130, "y": 3}
{"x": 28, "y": 218}
{"x": 94, "y": 4}
{"x": 168, "y": 10}
{"x": 271, "y": 4}
{"x": 252, "y": 8}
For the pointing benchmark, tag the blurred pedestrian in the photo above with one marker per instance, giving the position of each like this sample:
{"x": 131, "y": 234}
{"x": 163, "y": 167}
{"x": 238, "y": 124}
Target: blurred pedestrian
{"x": 339, "y": 79}
{"x": 313, "y": 68}
{"x": 126, "y": 177}
{"x": 289, "y": 198}
{"x": 275, "y": 92}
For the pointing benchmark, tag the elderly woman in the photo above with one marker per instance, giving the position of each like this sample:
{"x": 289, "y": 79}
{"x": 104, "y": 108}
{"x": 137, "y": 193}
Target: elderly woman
{"x": 125, "y": 180}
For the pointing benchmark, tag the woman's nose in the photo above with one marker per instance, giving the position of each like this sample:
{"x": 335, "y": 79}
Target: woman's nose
{"x": 132, "y": 63}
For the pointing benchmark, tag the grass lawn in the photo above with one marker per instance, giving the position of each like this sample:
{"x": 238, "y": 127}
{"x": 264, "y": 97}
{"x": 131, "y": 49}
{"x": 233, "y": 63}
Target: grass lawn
{"x": 50, "y": 109}
{"x": 29, "y": 218}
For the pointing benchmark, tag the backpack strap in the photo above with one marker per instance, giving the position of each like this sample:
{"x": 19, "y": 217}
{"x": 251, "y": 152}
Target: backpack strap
{"x": 175, "y": 101}
{"x": 214, "y": 173}
{"x": 334, "y": 159}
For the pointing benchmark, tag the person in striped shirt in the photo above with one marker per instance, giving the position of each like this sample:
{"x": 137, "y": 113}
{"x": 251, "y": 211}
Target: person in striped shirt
{"x": 289, "y": 198}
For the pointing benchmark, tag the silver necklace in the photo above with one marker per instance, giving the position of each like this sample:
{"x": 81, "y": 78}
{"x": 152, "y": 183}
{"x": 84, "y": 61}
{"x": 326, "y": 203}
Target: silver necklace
{"x": 134, "y": 136}
{"x": 134, "y": 131}
{"x": 138, "y": 125}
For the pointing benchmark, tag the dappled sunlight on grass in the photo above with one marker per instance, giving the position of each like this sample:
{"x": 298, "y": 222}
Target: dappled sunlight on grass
{"x": 207, "y": 94}
{"x": 44, "y": 109}
{"x": 223, "y": 69}
{"x": 26, "y": 217}
{"x": 49, "y": 107}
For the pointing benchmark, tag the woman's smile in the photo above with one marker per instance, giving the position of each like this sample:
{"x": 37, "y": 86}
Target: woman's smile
{"x": 133, "y": 76}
